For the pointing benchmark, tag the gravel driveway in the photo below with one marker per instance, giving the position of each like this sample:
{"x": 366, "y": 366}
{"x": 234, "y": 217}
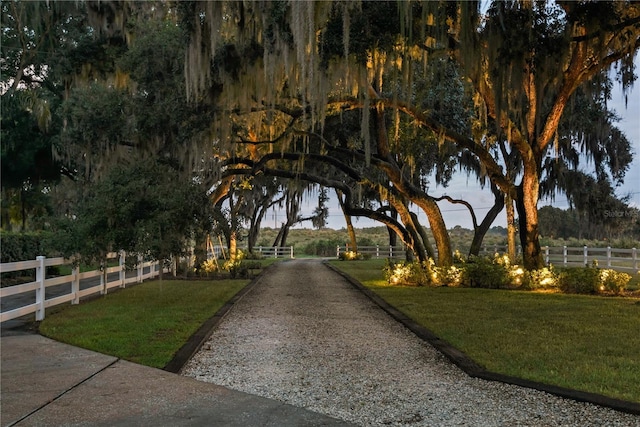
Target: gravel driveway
{"x": 306, "y": 337}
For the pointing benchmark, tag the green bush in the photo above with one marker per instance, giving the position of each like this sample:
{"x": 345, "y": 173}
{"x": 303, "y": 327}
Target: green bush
{"x": 448, "y": 276}
{"x": 613, "y": 281}
{"x": 583, "y": 280}
{"x": 483, "y": 272}
{"x": 353, "y": 256}
{"x": 25, "y": 246}
{"x": 407, "y": 273}
{"x": 321, "y": 247}
{"x": 499, "y": 273}
{"x": 544, "y": 278}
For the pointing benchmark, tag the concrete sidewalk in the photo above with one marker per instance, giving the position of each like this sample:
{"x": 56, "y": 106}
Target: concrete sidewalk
{"x": 47, "y": 383}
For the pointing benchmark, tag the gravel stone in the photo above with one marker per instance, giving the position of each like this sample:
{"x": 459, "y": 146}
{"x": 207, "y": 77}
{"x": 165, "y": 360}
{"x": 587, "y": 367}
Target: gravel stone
{"x": 306, "y": 337}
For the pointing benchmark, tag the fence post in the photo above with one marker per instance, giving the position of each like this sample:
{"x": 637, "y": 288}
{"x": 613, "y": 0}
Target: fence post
{"x": 103, "y": 277}
{"x": 40, "y": 294}
{"x": 174, "y": 265}
{"x": 585, "y": 253}
{"x": 275, "y": 252}
{"x": 377, "y": 251}
{"x": 75, "y": 284}
{"x": 291, "y": 252}
{"x": 546, "y": 255}
{"x": 390, "y": 251}
{"x": 634, "y": 251}
{"x": 564, "y": 256}
{"x": 140, "y": 269}
{"x": 608, "y": 256}
{"x": 122, "y": 274}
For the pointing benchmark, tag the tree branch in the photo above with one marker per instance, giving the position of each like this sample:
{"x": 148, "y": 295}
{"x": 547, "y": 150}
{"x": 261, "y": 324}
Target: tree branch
{"x": 461, "y": 202}
{"x": 493, "y": 169}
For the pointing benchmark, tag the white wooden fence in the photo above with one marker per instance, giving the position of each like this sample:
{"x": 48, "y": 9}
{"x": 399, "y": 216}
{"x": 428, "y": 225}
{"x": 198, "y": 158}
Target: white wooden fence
{"x": 618, "y": 259}
{"x": 566, "y": 256}
{"x": 264, "y": 251}
{"x": 24, "y": 301}
{"x": 375, "y": 251}
{"x": 107, "y": 279}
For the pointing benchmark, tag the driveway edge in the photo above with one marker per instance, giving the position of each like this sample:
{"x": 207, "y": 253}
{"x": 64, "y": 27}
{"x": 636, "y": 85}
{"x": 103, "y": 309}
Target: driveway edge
{"x": 197, "y": 340}
{"x": 474, "y": 370}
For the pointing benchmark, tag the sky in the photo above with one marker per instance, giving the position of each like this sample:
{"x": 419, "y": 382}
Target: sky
{"x": 482, "y": 199}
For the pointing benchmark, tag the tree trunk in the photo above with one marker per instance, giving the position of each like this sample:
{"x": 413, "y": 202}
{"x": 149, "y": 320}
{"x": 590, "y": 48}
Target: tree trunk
{"x": 416, "y": 245}
{"x": 439, "y": 230}
{"x": 393, "y": 236}
{"x": 347, "y": 218}
{"x": 254, "y": 228}
{"x": 413, "y": 194}
{"x": 424, "y": 236}
{"x": 252, "y": 238}
{"x": 285, "y": 234}
{"x": 233, "y": 247}
{"x": 278, "y": 239}
{"x": 481, "y": 230}
{"x": 511, "y": 229}
{"x": 23, "y": 210}
{"x": 527, "y": 205}
{"x": 5, "y": 217}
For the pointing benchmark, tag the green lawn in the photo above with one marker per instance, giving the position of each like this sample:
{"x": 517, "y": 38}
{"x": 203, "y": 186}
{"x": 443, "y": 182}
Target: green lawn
{"x": 146, "y": 323}
{"x": 581, "y": 342}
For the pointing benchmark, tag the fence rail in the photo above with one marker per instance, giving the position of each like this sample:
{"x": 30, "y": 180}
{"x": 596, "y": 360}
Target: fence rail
{"x": 615, "y": 258}
{"x": 36, "y": 296}
{"x": 265, "y": 251}
{"x": 376, "y": 251}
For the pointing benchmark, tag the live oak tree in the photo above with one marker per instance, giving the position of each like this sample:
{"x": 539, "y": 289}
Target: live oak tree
{"x": 526, "y": 61}
{"x": 275, "y": 74}
{"x": 109, "y": 77}
{"x": 266, "y": 58}
{"x": 31, "y": 41}
{"x": 140, "y": 207}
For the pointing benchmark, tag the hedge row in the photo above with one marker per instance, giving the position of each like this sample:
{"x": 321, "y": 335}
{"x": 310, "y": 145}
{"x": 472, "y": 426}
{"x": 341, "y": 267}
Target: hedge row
{"x": 498, "y": 272}
{"x": 25, "y": 246}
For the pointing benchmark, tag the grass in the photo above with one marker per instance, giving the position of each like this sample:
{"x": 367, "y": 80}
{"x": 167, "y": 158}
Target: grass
{"x": 144, "y": 324}
{"x": 581, "y": 342}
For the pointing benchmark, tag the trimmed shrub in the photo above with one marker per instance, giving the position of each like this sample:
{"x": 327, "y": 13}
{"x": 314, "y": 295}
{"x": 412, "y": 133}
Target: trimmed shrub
{"x": 583, "y": 280}
{"x": 613, "y": 281}
{"x": 448, "y": 276}
{"x": 27, "y": 246}
{"x": 353, "y": 256}
{"x": 407, "y": 273}
{"x": 544, "y": 278}
{"x": 483, "y": 272}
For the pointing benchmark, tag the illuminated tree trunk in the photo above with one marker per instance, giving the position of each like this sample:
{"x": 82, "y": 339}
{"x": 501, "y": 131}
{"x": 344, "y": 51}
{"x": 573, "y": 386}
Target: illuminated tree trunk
{"x": 416, "y": 244}
{"x": 511, "y": 229}
{"x": 420, "y": 198}
{"x": 347, "y": 218}
{"x": 438, "y": 228}
{"x": 527, "y": 206}
{"x": 233, "y": 247}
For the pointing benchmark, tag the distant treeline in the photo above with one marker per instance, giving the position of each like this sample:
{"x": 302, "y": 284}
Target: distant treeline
{"x": 603, "y": 224}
